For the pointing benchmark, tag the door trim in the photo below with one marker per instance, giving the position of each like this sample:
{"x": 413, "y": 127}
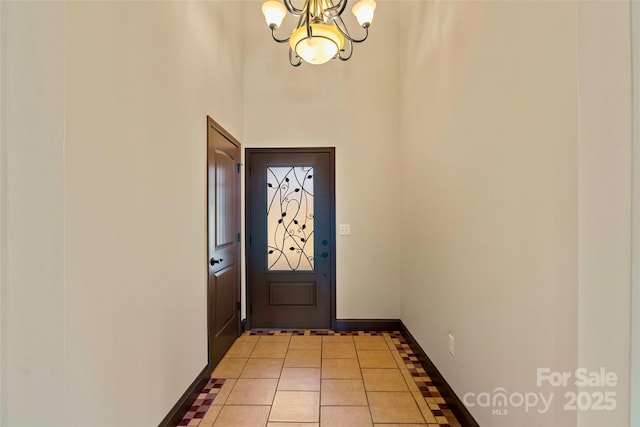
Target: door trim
{"x": 332, "y": 223}
{"x": 212, "y": 124}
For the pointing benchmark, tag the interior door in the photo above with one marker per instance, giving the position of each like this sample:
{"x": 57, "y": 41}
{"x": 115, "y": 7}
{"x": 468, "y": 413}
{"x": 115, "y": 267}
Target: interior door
{"x": 291, "y": 237}
{"x": 223, "y": 225}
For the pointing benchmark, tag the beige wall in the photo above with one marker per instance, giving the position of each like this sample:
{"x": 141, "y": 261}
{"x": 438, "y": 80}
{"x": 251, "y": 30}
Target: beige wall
{"x": 353, "y": 107}
{"x": 604, "y": 210}
{"x": 103, "y": 152}
{"x": 140, "y": 79}
{"x": 32, "y": 284}
{"x": 634, "y": 403}
{"x": 516, "y": 121}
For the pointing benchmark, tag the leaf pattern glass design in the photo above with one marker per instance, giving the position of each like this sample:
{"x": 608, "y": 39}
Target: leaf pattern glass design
{"x": 290, "y": 218}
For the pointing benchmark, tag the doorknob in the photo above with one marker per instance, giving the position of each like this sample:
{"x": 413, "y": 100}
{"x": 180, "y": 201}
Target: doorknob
{"x": 214, "y": 261}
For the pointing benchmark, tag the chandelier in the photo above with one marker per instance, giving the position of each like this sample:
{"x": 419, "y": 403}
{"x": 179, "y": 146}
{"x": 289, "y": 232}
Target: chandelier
{"x": 321, "y": 34}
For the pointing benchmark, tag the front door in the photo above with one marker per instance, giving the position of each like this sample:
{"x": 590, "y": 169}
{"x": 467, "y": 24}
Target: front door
{"x": 223, "y": 224}
{"x": 291, "y": 237}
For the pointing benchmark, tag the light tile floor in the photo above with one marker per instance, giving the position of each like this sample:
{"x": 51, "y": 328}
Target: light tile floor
{"x": 320, "y": 379}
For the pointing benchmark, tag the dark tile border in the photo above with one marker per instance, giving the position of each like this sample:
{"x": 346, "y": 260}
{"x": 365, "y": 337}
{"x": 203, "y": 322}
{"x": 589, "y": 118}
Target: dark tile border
{"x": 186, "y": 401}
{"x": 453, "y": 402}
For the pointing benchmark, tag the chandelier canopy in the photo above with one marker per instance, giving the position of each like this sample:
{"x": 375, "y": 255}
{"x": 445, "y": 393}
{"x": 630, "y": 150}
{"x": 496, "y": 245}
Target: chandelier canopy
{"x": 321, "y": 34}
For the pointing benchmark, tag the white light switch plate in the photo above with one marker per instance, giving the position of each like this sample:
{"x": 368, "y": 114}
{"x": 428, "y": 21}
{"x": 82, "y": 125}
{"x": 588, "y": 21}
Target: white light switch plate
{"x": 344, "y": 229}
{"x": 452, "y": 345}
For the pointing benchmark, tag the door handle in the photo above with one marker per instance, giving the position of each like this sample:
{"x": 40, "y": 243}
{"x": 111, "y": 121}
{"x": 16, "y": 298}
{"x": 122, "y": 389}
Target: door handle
{"x": 214, "y": 261}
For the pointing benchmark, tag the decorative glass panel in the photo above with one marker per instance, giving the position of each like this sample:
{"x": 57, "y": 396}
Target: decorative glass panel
{"x": 290, "y": 218}
{"x": 224, "y": 198}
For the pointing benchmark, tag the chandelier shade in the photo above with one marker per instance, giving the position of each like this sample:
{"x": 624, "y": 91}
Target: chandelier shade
{"x": 321, "y": 33}
{"x": 274, "y": 12}
{"x": 363, "y": 11}
{"x": 322, "y": 47}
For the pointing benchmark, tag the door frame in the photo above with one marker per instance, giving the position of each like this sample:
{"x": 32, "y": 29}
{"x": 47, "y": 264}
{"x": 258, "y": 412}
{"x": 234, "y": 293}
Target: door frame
{"x": 332, "y": 222}
{"x": 215, "y": 126}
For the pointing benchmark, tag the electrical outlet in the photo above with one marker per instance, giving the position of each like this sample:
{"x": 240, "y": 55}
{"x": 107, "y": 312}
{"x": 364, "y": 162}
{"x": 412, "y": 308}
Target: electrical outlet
{"x": 452, "y": 345}
{"x": 345, "y": 229}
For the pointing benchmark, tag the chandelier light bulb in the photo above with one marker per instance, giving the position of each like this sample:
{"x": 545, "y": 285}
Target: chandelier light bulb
{"x": 274, "y": 12}
{"x": 363, "y": 11}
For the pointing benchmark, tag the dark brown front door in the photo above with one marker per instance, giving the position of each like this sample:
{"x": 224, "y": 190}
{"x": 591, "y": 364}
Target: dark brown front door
{"x": 291, "y": 237}
{"x": 223, "y": 224}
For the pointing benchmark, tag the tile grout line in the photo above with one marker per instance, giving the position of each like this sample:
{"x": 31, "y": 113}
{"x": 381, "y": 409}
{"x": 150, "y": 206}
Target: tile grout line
{"x": 364, "y": 386}
{"x": 320, "y": 393}
{"x": 277, "y": 383}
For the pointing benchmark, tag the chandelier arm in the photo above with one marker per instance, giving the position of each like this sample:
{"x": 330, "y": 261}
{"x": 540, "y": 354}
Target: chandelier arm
{"x": 331, "y": 11}
{"x": 295, "y": 64}
{"x": 273, "y": 34}
{"x": 340, "y": 25}
{"x": 308, "y": 23}
{"x": 302, "y": 21}
{"x": 292, "y": 9}
{"x": 346, "y": 58}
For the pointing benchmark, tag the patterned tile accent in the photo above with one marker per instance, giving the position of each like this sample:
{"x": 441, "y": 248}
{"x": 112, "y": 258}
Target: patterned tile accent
{"x": 202, "y": 403}
{"x": 441, "y": 411}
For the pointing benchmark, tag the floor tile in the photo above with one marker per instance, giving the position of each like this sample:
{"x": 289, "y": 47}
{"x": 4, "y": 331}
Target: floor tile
{"x": 269, "y": 350}
{"x": 210, "y": 417}
{"x": 253, "y": 392}
{"x": 376, "y": 359}
{"x": 296, "y": 406}
{"x": 409, "y": 380}
{"x": 305, "y": 343}
{"x": 229, "y": 368}
{"x": 303, "y": 379}
{"x": 345, "y": 416}
{"x": 337, "y": 339}
{"x": 384, "y": 380}
{"x": 424, "y": 408}
{"x": 392, "y": 407}
{"x": 292, "y": 424}
{"x": 224, "y": 392}
{"x": 402, "y": 425}
{"x": 303, "y": 358}
{"x": 389, "y": 340}
{"x": 248, "y": 339}
{"x": 340, "y": 368}
{"x": 242, "y": 416}
{"x": 240, "y": 350}
{"x": 370, "y": 343}
{"x": 271, "y": 339}
{"x": 401, "y": 363}
{"x": 335, "y": 350}
{"x": 307, "y": 378}
{"x": 442, "y": 420}
{"x": 262, "y": 368}
{"x": 343, "y": 393}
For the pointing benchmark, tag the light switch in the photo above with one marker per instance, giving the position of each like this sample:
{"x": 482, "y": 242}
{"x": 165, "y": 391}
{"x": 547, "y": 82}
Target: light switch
{"x": 345, "y": 230}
